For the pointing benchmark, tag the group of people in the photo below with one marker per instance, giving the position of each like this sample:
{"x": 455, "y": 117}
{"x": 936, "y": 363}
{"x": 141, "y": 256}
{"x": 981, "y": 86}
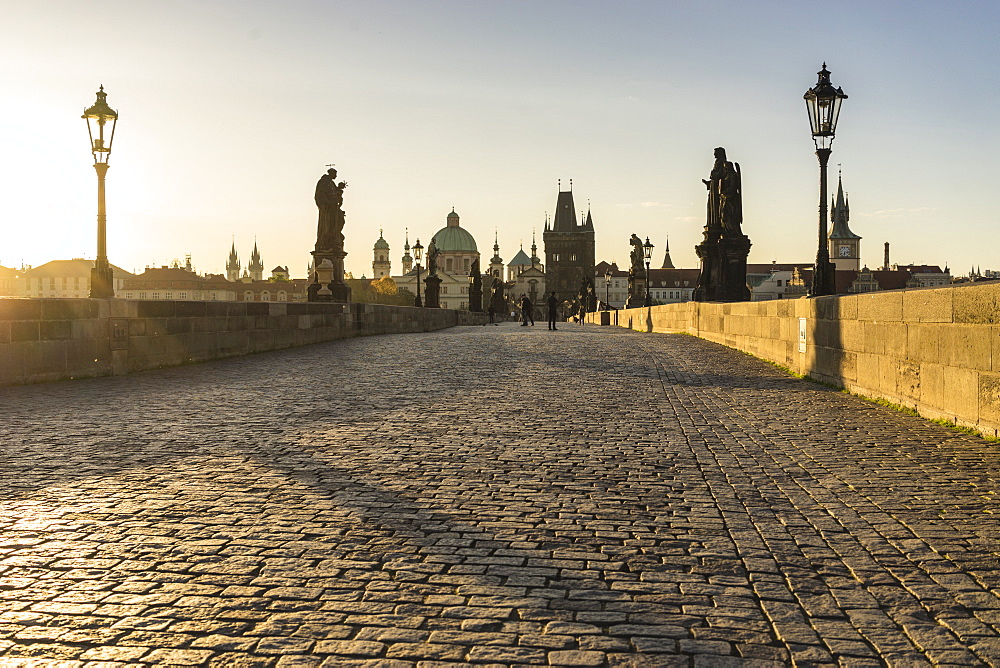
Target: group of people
{"x": 528, "y": 310}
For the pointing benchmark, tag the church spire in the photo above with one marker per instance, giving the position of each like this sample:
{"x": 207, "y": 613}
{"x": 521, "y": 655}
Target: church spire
{"x": 233, "y": 264}
{"x": 840, "y": 213}
{"x": 256, "y": 266}
{"x": 667, "y": 264}
{"x": 534, "y": 249}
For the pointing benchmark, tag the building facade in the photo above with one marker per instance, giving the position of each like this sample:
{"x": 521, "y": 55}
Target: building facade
{"x": 64, "y": 278}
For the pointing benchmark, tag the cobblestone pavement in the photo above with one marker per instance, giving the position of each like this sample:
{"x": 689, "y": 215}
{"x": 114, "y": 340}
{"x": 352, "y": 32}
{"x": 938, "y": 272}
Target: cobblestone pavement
{"x": 492, "y": 496}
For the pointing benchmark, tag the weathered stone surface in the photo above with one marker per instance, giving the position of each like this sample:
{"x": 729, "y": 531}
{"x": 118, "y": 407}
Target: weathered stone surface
{"x": 585, "y": 497}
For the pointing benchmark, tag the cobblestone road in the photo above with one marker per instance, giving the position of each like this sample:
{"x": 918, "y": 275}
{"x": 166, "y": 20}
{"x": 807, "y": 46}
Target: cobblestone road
{"x": 493, "y": 496}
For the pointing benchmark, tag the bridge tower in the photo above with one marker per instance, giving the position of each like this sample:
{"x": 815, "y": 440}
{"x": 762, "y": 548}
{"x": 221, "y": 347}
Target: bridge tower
{"x": 569, "y": 248}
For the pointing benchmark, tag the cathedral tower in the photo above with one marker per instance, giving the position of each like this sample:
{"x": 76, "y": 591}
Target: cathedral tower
{"x": 233, "y": 265}
{"x": 256, "y": 266}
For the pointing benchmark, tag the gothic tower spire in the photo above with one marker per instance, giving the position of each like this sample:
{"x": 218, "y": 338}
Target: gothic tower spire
{"x": 233, "y": 264}
{"x": 844, "y": 245}
{"x": 256, "y": 266}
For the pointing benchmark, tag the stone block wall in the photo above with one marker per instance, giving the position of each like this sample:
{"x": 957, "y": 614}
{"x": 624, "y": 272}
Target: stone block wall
{"x": 935, "y": 350}
{"x": 56, "y": 339}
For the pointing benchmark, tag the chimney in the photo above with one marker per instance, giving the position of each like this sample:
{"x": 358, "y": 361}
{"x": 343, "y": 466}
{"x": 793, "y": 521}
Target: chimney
{"x": 885, "y": 263}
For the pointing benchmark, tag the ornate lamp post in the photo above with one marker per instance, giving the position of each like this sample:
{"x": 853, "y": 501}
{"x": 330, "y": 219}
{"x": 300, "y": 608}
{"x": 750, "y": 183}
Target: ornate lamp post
{"x": 418, "y": 253}
{"x": 647, "y": 253}
{"x": 102, "y": 280}
{"x": 607, "y": 287}
{"x": 823, "y": 104}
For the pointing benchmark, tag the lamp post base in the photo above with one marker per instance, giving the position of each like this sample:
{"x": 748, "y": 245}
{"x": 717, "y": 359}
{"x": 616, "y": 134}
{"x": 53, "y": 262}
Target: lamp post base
{"x": 824, "y": 279}
{"x": 102, "y": 281}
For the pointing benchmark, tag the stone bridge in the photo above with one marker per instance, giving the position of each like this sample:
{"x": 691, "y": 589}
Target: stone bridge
{"x": 490, "y": 496}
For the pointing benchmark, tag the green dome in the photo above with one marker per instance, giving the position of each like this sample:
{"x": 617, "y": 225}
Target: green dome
{"x": 454, "y": 239}
{"x": 381, "y": 244}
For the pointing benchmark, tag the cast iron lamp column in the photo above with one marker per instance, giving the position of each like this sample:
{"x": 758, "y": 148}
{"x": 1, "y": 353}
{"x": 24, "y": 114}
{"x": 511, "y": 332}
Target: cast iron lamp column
{"x": 102, "y": 279}
{"x": 472, "y": 281}
{"x": 823, "y": 103}
{"x": 607, "y": 288}
{"x": 647, "y": 252}
{"x": 418, "y": 252}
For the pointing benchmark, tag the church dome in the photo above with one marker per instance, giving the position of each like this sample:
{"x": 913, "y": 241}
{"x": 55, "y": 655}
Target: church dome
{"x": 454, "y": 239}
{"x": 381, "y": 244}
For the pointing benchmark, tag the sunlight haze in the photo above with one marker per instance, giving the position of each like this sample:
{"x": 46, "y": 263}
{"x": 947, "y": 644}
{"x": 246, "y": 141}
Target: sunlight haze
{"x": 229, "y": 112}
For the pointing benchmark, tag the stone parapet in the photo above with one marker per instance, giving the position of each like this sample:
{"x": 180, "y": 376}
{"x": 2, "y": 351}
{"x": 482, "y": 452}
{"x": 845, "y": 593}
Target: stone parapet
{"x": 55, "y": 339}
{"x": 933, "y": 350}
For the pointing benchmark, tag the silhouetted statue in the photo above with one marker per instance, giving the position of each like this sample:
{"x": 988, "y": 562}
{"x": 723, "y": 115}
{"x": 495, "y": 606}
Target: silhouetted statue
{"x": 724, "y": 250}
{"x": 636, "y": 256}
{"x": 330, "y": 201}
{"x": 725, "y": 195}
{"x": 432, "y": 256}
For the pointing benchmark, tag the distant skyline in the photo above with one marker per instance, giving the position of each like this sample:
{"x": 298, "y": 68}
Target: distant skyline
{"x": 229, "y": 112}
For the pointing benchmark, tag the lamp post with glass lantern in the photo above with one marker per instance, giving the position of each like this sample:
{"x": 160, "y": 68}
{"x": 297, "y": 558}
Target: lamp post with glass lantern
{"x": 647, "y": 252}
{"x": 102, "y": 280}
{"x": 418, "y": 253}
{"x": 823, "y": 103}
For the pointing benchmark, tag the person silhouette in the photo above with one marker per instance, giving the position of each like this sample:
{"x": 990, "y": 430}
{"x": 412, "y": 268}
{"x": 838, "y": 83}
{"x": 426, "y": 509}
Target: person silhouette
{"x": 553, "y": 304}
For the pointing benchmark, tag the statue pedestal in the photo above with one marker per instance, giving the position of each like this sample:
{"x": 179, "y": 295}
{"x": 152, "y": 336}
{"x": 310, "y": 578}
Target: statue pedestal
{"x": 330, "y": 279}
{"x": 432, "y": 291}
{"x": 723, "y": 276}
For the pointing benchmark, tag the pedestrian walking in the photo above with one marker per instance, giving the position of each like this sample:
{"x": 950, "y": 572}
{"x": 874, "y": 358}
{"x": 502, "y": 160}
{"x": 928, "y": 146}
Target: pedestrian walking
{"x": 492, "y": 311}
{"x": 526, "y": 311}
{"x": 553, "y": 304}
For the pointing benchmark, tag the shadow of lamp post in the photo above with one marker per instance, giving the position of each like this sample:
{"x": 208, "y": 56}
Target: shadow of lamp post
{"x": 647, "y": 253}
{"x": 418, "y": 254}
{"x": 823, "y": 103}
{"x": 102, "y": 279}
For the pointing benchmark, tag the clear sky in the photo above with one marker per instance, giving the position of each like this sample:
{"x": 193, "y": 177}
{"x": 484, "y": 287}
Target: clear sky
{"x": 231, "y": 109}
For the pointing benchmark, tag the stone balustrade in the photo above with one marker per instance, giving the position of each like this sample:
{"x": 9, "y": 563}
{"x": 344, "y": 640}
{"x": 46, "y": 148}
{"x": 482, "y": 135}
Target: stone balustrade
{"x": 933, "y": 350}
{"x": 55, "y": 339}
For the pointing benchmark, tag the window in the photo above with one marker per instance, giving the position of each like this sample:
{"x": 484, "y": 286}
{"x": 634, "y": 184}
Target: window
{"x": 448, "y": 264}
{"x": 282, "y": 296}
{"x": 444, "y": 289}
{"x": 156, "y": 295}
{"x": 265, "y": 296}
{"x": 555, "y": 257}
{"x": 572, "y": 257}
{"x": 182, "y": 295}
{"x": 248, "y": 296}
